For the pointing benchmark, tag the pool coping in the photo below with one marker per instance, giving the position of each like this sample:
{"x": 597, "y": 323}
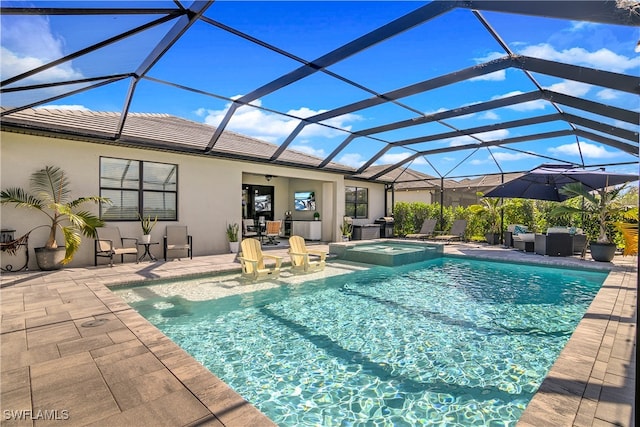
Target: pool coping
{"x": 134, "y": 372}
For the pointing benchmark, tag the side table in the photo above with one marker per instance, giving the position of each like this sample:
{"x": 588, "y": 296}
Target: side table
{"x": 147, "y": 251}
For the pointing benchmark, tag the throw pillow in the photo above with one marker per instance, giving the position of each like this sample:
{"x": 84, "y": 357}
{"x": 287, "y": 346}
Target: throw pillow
{"x": 518, "y": 229}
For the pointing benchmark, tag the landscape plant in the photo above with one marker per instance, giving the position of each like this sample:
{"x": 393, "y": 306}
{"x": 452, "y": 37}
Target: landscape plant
{"x": 50, "y": 194}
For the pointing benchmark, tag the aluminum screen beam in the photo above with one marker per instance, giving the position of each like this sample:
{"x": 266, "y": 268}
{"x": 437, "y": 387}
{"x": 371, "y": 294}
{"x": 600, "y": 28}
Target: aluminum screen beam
{"x": 593, "y": 107}
{"x": 393, "y": 28}
{"x": 437, "y": 82}
{"x": 474, "y": 146}
{"x": 577, "y": 73}
{"x": 179, "y": 28}
{"x": 604, "y": 12}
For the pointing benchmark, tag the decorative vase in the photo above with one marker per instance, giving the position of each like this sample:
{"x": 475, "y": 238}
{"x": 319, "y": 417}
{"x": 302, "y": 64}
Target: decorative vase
{"x": 50, "y": 259}
{"x": 146, "y": 238}
{"x": 234, "y": 247}
{"x": 603, "y": 252}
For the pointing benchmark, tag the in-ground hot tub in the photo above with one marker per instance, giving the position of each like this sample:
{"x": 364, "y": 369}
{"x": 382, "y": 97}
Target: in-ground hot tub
{"x": 388, "y": 253}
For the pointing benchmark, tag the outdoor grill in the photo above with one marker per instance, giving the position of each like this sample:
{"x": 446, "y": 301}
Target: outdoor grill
{"x": 386, "y": 226}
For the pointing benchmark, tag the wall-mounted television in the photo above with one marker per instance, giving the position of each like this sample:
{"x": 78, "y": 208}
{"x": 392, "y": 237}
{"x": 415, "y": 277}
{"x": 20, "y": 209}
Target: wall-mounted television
{"x": 304, "y": 201}
{"x": 262, "y": 203}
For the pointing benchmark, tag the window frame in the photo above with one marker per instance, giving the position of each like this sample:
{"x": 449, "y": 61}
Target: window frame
{"x": 353, "y": 213}
{"x": 140, "y": 190}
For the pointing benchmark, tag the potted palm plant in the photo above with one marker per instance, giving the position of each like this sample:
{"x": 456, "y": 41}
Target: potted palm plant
{"x": 232, "y": 236}
{"x": 599, "y": 205}
{"x": 147, "y": 225}
{"x": 50, "y": 195}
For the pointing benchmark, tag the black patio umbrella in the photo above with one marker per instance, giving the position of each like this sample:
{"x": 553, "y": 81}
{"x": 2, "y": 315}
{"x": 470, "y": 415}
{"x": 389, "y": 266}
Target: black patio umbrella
{"x": 543, "y": 182}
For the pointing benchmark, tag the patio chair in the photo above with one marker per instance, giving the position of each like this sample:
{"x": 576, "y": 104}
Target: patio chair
{"x": 110, "y": 243}
{"x": 177, "y": 238}
{"x": 249, "y": 228}
{"x": 426, "y": 231}
{"x": 512, "y": 231}
{"x": 524, "y": 242}
{"x": 273, "y": 232}
{"x": 557, "y": 242}
{"x": 458, "y": 229}
{"x": 252, "y": 261}
{"x": 301, "y": 256}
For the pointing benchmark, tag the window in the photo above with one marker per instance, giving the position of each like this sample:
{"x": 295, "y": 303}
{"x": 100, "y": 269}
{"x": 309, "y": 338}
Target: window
{"x": 138, "y": 188}
{"x": 356, "y": 202}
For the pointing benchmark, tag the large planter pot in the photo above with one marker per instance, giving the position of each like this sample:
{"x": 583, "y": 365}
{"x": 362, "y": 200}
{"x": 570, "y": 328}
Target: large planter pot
{"x": 492, "y": 238}
{"x": 49, "y": 259}
{"x": 145, "y": 238}
{"x": 234, "y": 247}
{"x": 602, "y": 252}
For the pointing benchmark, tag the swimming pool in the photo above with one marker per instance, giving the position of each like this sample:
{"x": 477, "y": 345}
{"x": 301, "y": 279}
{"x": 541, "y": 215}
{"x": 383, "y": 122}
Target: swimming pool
{"x": 447, "y": 341}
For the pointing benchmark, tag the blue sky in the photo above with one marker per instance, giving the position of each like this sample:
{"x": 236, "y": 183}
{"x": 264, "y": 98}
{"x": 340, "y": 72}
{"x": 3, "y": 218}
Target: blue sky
{"x": 210, "y": 59}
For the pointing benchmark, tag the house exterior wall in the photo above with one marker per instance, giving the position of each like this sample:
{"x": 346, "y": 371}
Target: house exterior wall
{"x": 209, "y": 191}
{"x": 376, "y": 200}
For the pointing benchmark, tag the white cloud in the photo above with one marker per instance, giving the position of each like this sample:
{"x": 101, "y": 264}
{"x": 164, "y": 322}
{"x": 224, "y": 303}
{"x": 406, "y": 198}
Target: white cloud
{"x": 273, "y": 127}
{"x": 27, "y": 43}
{"x": 510, "y": 157}
{"x": 607, "y": 94}
{"x": 538, "y": 104}
{"x": 74, "y": 107}
{"x": 398, "y": 157}
{"x": 591, "y": 151}
{"x": 489, "y": 115}
{"x": 496, "y": 76}
{"x": 351, "y": 159}
{"x": 602, "y": 59}
{"x": 570, "y": 87}
{"x": 489, "y": 57}
{"x": 501, "y": 156}
{"x": 485, "y": 136}
{"x": 307, "y": 149}
{"x": 580, "y": 25}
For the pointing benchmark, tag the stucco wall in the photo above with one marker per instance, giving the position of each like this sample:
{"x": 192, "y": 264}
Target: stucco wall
{"x": 209, "y": 190}
{"x": 204, "y": 205}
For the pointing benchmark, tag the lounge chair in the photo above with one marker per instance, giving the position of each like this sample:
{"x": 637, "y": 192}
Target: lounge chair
{"x": 300, "y": 256}
{"x": 426, "y": 230}
{"x": 178, "y": 239}
{"x": 273, "y": 232}
{"x": 252, "y": 260}
{"x": 110, "y": 243}
{"x": 457, "y": 231}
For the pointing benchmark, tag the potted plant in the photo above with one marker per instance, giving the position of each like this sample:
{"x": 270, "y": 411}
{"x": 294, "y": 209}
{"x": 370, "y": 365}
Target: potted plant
{"x": 50, "y": 191}
{"x": 316, "y": 216}
{"x": 147, "y": 225}
{"x": 232, "y": 237}
{"x": 490, "y": 209}
{"x": 346, "y": 228}
{"x": 600, "y": 206}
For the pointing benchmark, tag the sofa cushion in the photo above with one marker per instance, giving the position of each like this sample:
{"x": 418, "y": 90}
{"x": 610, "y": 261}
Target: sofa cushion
{"x": 553, "y": 230}
{"x": 525, "y": 237}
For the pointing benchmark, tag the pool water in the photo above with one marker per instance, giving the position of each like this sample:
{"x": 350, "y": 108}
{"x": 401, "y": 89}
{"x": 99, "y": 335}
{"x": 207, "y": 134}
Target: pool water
{"x": 388, "y": 253}
{"x": 449, "y": 341}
